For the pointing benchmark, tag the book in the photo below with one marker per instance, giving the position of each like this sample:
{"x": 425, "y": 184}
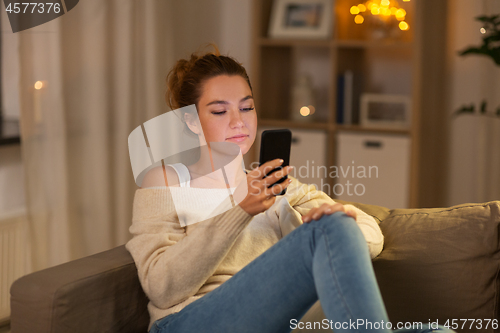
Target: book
{"x": 349, "y": 90}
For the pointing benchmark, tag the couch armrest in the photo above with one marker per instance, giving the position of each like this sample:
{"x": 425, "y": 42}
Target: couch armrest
{"x": 99, "y": 293}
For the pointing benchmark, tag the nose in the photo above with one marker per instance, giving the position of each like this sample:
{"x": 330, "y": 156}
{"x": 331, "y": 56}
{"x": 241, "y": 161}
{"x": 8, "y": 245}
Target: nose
{"x": 236, "y": 120}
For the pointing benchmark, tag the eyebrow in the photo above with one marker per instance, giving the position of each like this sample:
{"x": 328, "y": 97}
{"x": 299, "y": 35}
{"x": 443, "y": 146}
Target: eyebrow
{"x": 226, "y": 102}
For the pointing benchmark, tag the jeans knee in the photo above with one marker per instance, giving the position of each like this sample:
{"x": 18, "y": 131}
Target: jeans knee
{"x": 339, "y": 226}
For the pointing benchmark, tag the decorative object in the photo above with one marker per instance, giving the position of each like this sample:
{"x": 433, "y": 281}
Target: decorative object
{"x": 303, "y": 99}
{"x": 387, "y": 18}
{"x": 490, "y": 48}
{"x": 385, "y": 111}
{"x": 301, "y": 19}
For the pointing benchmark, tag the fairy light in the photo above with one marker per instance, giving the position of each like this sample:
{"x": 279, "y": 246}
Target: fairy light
{"x": 400, "y": 14}
{"x": 38, "y": 85}
{"x": 384, "y": 9}
{"x": 482, "y": 30}
{"x": 304, "y": 111}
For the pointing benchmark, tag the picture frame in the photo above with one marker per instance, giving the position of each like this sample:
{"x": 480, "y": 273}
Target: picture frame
{"x": 308, "y": 19}
{"x": 385, "y": 111}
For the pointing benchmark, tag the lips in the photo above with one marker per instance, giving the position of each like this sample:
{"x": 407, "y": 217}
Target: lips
{"x": 238, "y": 138}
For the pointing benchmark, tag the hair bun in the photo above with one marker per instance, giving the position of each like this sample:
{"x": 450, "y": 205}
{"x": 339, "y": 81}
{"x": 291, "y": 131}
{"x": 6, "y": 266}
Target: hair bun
{"x": 185, "y": 79}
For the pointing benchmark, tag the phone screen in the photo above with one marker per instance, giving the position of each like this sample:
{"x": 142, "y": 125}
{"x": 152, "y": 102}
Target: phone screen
{"x": 276, "y": 144}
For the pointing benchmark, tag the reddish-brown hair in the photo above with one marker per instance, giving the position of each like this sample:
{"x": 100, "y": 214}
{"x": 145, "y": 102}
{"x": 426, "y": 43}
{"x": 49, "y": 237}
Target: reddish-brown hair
{"x": 186, "y": 78}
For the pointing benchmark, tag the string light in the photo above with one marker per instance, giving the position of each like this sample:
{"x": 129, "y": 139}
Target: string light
{"x": 359, "y": 19}
{"x": 38, "y": 85}
{"x": 384, "y": 9}
{"x": 304, "y": 111}
{"x": 400, "y": 14}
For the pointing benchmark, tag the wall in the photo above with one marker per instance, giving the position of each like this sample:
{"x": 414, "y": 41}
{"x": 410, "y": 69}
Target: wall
{"x": 224, "y": 22}
{"x": 474, "y": 158}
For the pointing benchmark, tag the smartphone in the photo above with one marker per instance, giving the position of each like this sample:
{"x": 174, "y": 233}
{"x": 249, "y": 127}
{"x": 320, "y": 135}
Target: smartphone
{"x": 276, "y": 144}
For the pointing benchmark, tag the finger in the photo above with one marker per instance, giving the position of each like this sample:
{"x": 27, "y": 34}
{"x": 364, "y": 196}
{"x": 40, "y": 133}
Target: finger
{"x": 278, "y": 188}
{"x": 316, "y": 213}
{"x": 336, "y": 207}
{"x": 322, "y": 210}
{"x": 308, "y": 217}
{"x": 351, "y": 212}
{"x": 260, "y": 171}
{"x": 267, "y": 167}
{"x": 277, "y": 175}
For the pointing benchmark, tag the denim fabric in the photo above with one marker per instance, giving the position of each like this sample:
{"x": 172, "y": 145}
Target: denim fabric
{"x": 326, "y": 259}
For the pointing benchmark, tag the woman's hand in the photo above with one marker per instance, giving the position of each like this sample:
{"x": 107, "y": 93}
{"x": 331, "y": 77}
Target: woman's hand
{"x": 260, "y": 197}
{"x": 317, "y": 213}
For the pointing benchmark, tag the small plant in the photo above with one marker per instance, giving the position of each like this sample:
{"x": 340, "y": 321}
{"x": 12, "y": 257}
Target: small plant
{"x": 491, "y": 39}
{"x": 489, "y": 48}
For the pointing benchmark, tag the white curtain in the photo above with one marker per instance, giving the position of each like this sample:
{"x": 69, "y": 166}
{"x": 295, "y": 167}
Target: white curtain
{"x": 103, "y": 68}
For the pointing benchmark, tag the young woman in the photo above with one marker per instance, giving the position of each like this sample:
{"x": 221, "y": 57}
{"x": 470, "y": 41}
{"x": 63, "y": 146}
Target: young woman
{"x": 237, "y": 271}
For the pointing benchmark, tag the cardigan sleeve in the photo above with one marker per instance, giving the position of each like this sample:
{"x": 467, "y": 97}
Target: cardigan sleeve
{"x": 303, "y": 198}
{"x": 172, "y": 263}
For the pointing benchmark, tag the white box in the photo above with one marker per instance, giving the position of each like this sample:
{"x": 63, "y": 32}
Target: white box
{"x": 373, "y": 169}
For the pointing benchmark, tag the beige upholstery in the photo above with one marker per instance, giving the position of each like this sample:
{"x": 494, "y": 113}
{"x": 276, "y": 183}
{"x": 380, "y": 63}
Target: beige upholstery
{"x": 437, "y": 264}
{"x": 100, "y": 293}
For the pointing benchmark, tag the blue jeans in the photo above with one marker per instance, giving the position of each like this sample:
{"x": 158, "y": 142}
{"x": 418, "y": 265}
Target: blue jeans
{"x": 326, "y": 259}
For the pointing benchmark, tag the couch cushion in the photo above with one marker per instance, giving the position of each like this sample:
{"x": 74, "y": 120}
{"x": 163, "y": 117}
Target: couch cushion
{"x": 99, "y": 293}
{"x": 441, "y": 263}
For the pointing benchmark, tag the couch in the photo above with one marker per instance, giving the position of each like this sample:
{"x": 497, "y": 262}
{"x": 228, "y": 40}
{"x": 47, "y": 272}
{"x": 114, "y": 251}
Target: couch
{"x": 438, "y": 265}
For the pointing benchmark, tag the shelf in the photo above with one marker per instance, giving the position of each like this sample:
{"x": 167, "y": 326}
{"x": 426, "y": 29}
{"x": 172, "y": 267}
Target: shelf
{"x": 264, "y": 41}
{"x": 293, "y": 124}
{"x": 368, "y": 44}
{"x": 358, "y": 128}
{"x": 384, "y": 66}
{"x": 361, "y": 44}
{"x": 9, "y": 132}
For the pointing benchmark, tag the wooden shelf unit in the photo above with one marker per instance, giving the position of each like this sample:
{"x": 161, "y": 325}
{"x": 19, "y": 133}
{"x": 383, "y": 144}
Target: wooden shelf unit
{"x": 276, "y": 62}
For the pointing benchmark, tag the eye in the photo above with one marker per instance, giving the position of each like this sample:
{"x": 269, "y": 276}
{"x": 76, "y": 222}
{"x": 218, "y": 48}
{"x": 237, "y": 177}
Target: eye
{"x": 218, "y": 112}
{"x": 247, "y": 109}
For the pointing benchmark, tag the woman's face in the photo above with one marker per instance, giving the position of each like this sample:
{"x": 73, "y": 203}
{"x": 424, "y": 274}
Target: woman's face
{"x": 226, "y": 111}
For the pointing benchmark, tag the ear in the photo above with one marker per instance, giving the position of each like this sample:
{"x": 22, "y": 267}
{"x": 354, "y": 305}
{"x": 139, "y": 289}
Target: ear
{"x": 192, "y": 123}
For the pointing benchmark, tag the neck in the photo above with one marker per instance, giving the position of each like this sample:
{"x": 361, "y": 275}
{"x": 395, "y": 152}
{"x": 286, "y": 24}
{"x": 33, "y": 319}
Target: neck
{"x": 211, "y": 160}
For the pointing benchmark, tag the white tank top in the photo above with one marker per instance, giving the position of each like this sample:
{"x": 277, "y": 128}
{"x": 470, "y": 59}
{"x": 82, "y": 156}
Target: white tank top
{"x": 197, "y": 204}
{"x": 183, "y": 174}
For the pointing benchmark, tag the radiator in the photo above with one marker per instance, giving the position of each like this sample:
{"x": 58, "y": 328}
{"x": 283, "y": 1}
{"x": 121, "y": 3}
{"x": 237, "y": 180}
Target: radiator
{"x": 13, "y": 255}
